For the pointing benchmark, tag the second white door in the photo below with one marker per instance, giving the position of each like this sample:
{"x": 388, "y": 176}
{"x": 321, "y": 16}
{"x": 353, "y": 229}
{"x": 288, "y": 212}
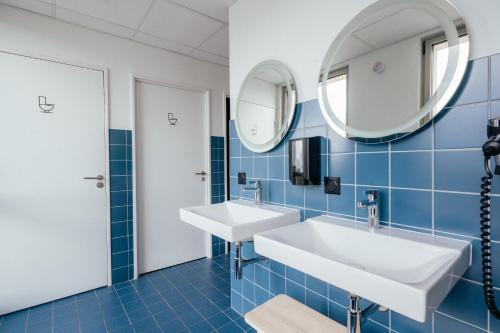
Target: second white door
{"x": 171, "y": 149}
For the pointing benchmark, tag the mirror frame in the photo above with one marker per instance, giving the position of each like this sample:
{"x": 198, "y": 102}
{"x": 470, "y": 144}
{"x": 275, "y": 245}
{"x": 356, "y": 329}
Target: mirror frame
{"x": 292, "y": 101}
{"x": 454, "y": 71}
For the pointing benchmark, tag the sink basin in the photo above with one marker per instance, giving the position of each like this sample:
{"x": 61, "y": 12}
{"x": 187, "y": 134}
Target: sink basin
{"x": 405, "y": 271}
{"x": 238, "y": 220}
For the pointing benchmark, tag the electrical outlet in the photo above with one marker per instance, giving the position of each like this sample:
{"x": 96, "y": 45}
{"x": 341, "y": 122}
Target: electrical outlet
{"x": 242, "y": 178}
{"x": 332, "y": 185}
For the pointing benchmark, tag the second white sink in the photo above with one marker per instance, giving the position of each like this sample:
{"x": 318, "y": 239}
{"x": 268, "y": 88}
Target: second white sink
{"x": 405, "y": 271}
{"x": 238, "y": 220}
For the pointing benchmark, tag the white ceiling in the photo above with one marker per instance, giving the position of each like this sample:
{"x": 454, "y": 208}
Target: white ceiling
{"x": 196, "y": 28}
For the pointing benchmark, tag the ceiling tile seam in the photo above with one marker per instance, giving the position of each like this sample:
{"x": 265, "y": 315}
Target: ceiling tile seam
{"x": 197, "y": 47}
{"x": 196, "y": 11}
{"x": 165, "y": 39}
{"x": 362, "y": 41}
{"x": 93, "y": 17}
{"x": 146, "y": 14}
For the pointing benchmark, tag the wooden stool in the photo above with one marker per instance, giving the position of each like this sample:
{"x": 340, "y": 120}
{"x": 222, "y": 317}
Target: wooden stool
{"x": 284, "y": 314}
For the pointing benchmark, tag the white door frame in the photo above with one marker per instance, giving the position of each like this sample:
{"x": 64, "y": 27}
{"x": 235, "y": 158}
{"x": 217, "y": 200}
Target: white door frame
{"x": 105, "y": 73}
{"x": 208, "y": 184}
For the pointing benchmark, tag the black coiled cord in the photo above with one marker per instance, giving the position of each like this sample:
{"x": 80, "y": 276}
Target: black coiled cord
{"x": 489, "y": 295}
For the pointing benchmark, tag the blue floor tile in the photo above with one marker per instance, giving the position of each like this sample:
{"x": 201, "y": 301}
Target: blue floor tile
{"x": 192, "y": 297}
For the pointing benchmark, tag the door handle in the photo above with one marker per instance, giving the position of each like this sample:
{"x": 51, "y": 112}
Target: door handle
{"x": 202, "y": 173}
{"x": 99, "y": 177}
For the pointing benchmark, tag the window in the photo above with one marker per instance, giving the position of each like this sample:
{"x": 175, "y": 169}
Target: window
{"x": 436, "y": 61}
{"x": 337, "y": 93}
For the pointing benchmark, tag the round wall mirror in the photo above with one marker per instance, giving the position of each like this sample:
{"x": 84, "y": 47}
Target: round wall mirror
{"x": 393, "y": 68}
{"x": 265, "y": 106}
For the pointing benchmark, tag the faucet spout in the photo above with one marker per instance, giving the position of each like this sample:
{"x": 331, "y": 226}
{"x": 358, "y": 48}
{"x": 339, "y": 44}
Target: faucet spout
{"x": 256, "y": 191}
{"x": 372, "y": 204}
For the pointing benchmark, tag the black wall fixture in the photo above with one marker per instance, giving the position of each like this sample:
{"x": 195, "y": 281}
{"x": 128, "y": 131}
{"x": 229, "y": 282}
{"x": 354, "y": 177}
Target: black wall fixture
{"x": 304, "y": 161}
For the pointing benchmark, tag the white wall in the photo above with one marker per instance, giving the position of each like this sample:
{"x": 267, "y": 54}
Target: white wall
{"x": 299, "y": 32}
{"x": 400, "y": 81}
{"x": 28, "y": 33}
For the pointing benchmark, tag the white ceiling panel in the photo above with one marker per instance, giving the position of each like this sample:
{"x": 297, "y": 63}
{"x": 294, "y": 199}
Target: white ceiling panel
{"x": 397, "y": 27}
{"x": 218, "y": 9}
{"x": 210, "y": 57}
{"x": 218, "y": 43}
{"x": 162, "y": 43}
{"x": 179, "y": 24}
{"x": 128, "y": 13}
{"x": 41, "y": 7}
{"x": 90, "y": 22}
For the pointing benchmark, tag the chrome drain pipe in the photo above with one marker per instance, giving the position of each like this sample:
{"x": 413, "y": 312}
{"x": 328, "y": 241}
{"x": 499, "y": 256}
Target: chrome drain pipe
{"x": 357, "y": 317}
{"x": 240, "y": 262}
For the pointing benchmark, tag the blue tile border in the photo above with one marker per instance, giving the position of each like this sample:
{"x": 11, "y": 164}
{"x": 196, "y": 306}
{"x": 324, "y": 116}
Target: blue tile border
{"x": 121, "y": 205}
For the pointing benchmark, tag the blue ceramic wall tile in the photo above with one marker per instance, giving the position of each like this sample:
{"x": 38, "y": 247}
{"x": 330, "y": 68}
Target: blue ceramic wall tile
{"x": 312, "y": 113}
{"x": 411, "y": 170}
{"x": 462, "y": 127}
{"x": 411, "y": 208}
{"x": 295, "y": 276}
{"x": 342, "y": 165}
{"x": 261, "y": 296}
{"x": 260, "y": 167}
{"x": 343, "y": 203}
{"x": 372, "y": 169}
{"x": 279, "y": 150}
{"x": 474, "y": 86}
{"x": 294, "y": 195}
{"x": 277, "y": 167}
{"x": 457, "y": 213}
{"x": 276, "y": 191}
{"x": 316, "y": 285}
{"x": 317, "y": 302}
{"x": 444, "y": 324}
{"x": 117, "y": 152}
{"x": 465, "y": 301}
{"x": 420, "y": 140}
{"x": 364, "y": 147}
{"x": 277, "y": 267}
{"x": 339, "y": 144}
{"x": 401, "y": 323}
{"x": 315, "y": 197}
{"x": 234, "y": 148}
{"x": 117, "y": 137}
{"x": 262, "y": 277}
{"x": 298, "y": 118}
{"x": 458, "y": 170}
{"x": 247, "y": 166}
{"x": 232, "y": 130}
{"x": 245, "y": 152}
{"x": 276, "y": 284}
{"x": 295, "y": 291}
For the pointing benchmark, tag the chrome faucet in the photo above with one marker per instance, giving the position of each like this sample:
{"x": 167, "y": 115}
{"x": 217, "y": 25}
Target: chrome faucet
{"x": 256, "y": 191}
{"x": 373, "y": 205}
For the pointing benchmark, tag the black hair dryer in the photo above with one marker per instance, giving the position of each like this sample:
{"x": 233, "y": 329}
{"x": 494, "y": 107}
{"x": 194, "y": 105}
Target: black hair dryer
{"x": 491, "y": 149}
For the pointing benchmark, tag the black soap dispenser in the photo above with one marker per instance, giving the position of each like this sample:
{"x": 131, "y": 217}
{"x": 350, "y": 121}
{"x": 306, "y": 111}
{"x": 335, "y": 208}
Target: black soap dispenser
{"x": 304, "y": 161}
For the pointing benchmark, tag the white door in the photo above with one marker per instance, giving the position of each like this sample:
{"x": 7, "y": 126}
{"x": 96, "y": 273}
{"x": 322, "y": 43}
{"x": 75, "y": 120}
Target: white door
{"x": 170, "y": 150}
{"x": 53, "y": 235}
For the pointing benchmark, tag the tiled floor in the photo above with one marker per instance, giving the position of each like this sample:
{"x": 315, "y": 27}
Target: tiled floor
{"x": 193, "y": 297}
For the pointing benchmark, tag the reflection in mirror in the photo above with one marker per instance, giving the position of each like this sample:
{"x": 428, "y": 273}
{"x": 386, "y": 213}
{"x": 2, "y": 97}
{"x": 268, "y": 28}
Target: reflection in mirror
{"x": 265, "y": 106}
{"x": 393, "y": 68}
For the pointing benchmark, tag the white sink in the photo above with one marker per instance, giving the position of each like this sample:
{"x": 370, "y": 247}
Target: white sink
{"x": 405, "y": 271}
{"x": 238, "y": 220}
